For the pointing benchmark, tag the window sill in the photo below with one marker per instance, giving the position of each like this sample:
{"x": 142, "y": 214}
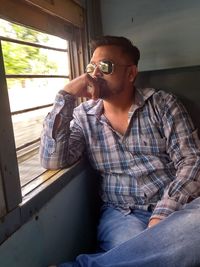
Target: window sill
{"x": 41, "y": 190}
{"x": 36, "y": 194}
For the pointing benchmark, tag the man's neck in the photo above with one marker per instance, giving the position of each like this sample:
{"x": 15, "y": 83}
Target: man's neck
{"x": 118, "y": 104}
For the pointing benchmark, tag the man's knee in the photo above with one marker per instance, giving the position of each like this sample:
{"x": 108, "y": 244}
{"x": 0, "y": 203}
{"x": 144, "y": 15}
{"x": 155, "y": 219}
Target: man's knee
{"x": 194, "y": 204}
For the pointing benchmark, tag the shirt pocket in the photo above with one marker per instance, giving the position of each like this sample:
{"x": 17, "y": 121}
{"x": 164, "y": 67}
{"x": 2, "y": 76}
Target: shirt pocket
{"x": 149, "y": 146}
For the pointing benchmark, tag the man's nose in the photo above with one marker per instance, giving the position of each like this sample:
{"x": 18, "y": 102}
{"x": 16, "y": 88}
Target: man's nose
{"x": 97, "y": 72}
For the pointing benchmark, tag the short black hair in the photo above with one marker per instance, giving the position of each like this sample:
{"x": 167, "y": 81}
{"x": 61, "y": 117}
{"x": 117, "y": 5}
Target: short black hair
{"x": 125, "y": 44}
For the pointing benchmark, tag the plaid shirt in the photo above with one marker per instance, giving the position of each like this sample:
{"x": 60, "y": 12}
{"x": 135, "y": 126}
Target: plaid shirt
{"x": 156, "y": 164}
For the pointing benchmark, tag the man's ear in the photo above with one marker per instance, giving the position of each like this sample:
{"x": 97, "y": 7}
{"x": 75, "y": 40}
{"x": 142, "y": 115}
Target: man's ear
{"x": 133, "y": 73}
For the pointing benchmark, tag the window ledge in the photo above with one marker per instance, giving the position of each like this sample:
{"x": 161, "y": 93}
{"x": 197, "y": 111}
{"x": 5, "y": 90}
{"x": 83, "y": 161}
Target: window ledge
{"x": 42, "y": 189}
{"x": 35, "y": 199}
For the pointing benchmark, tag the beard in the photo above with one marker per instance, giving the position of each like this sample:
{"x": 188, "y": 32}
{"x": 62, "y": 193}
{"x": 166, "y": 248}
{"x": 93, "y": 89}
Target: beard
{"x": 106, "y": 91}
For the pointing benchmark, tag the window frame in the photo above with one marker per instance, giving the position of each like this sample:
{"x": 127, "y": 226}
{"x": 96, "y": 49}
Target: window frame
{"x": 8, "y": 159}
{"x": 16, "y": 209}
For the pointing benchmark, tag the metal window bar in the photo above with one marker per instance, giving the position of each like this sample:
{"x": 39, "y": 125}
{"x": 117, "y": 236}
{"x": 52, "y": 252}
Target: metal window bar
{"x": 29, "y": 110}
{"x": 28, "y": 144}
{"x": 32, "y": 44}
{"x": 18, "y": 76}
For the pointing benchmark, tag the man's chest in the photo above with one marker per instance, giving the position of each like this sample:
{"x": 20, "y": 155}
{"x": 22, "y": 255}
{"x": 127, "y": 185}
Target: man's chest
{"x": 107, "y": 147}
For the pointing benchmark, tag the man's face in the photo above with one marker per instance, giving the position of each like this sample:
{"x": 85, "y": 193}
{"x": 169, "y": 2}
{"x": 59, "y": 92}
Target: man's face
{"x": 114, "y": 83}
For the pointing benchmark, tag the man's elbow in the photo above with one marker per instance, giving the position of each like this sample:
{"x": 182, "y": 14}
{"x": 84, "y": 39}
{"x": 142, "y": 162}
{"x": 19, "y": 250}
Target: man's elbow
{"x": 50, "y": 164}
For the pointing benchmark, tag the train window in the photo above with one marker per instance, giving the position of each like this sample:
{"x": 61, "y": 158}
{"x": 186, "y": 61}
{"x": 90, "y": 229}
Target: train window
{"x": 36, "y": 67}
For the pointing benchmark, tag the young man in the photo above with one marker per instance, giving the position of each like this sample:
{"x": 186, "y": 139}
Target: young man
{"x": 146, "y": 149}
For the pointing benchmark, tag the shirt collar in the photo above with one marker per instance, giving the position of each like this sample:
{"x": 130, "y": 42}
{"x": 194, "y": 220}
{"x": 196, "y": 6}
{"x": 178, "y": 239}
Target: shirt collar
{"x": 141, "y": 95}
{"x": 94, "y": 107}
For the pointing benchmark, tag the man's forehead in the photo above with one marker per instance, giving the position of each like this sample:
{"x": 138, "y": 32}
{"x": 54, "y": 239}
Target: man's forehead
{"x": 109, "y": 52}
{"x": 107, "y": 48}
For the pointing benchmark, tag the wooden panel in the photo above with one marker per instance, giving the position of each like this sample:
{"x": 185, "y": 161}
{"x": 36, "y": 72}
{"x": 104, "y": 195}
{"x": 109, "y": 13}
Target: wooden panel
{"x": 65, "y": 9}
{"x": 94, "y": 23}
{"x": 22, "y": 13}
{"x": 8, "y": 159}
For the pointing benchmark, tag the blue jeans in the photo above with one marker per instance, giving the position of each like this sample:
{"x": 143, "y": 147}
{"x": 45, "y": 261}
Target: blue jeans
{"x": 173, "y": 242}
{"x": 116, "y": 228}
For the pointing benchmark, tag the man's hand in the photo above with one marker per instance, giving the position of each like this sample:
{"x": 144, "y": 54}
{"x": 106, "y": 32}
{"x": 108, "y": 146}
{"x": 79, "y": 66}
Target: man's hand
{"x": 153, "y": 222}
{"x": 84, "y": 86}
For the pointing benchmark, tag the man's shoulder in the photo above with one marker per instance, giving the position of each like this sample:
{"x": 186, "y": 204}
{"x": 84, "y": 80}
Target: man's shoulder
{"x": 149, "y": 91}
{"x": 167, "y": 97}
{"x": 156, "y": 94}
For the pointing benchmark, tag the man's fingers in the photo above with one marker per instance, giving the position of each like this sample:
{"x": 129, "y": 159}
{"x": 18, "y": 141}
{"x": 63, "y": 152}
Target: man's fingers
{"x": 93, "y": 87}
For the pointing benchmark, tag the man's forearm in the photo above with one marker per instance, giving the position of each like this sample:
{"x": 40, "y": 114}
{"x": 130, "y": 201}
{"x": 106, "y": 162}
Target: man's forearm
{"x": 56, "y": 132}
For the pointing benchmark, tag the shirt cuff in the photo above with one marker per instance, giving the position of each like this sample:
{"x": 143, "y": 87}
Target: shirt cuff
{"x": 165, "y": 207}
{"x": 64, "y": 104}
